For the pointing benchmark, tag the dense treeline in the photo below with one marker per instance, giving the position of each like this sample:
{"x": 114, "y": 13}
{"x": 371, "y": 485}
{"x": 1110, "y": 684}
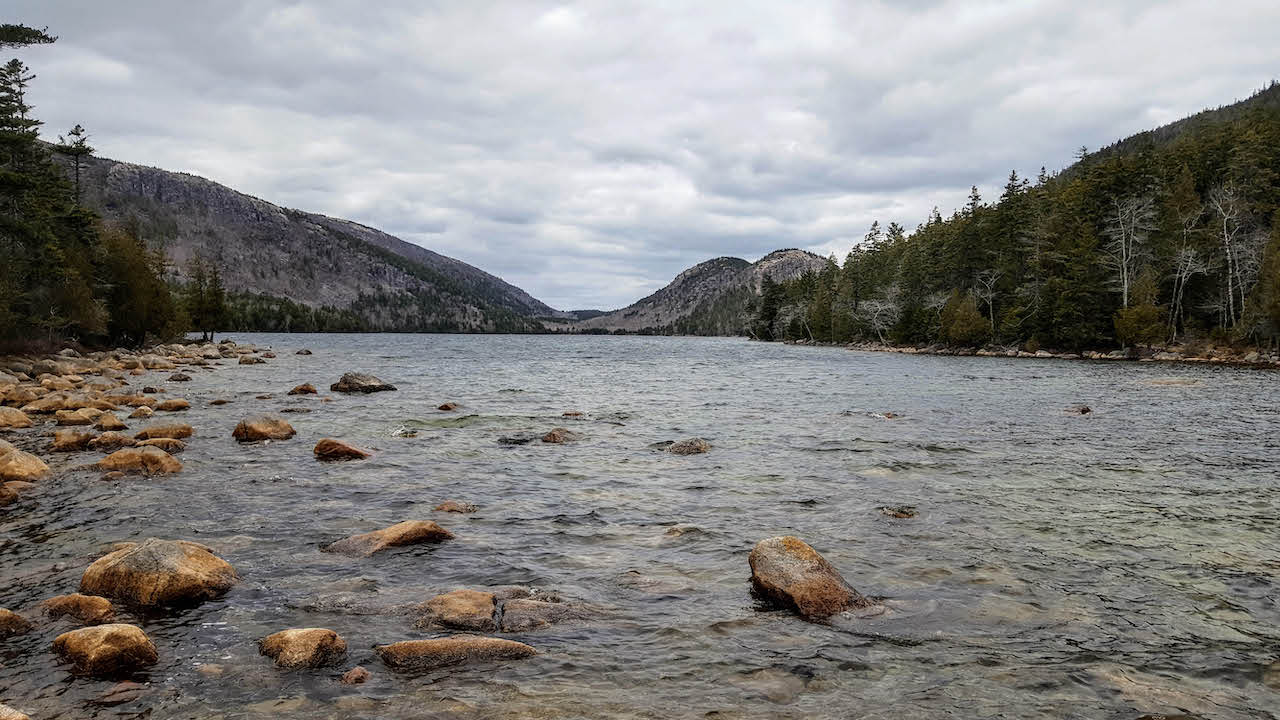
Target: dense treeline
{"x": 63, "y": 272}
{"x": 250, "y": 312}
{"x": 1167, "y": 234}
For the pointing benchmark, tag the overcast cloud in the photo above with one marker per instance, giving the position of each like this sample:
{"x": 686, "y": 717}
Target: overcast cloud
{"x": 589, "y": 152}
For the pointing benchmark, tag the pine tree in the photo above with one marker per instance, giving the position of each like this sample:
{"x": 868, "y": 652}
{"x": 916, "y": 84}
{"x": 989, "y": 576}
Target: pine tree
{"x": 76, "y": 146}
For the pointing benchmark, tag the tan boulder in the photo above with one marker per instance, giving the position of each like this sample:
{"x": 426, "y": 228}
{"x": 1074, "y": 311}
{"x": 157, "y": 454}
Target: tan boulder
{"x": 304, "y": 647}
{"x": 111, "y": 440}
{"x": 448, "y": 407}
{"x": 21, "y": 396}
{"x": 304, "y": 389}
{"x": 108, "y": 421}
{"x": 169, "y": 445}
{"x": 409, "y": 532}
{"x": 461, "y": 610}
{"x": 13, "y": 418}
{"x": 173, "y": 405}
{"x": 263, "y": 427}
{"x": 155, "y": 362}
{"x": 148, "y": 459}
{"x": 16, "y": 464}
{"x": 455, "y": 650}
{"x": 142, "y": 412}
{"x": 159, "y": 573}
{"x": 129, "y": 400}
{"x": 11, "y": 623}
{"x": 84, "y": 609}
{"x": 692, "y": 446}
{"x": 46, "y": 405}
{"x": 82, "y": 416}
{"x": 330, "y": 449}
{"x": 360, "y": 383}
{"x": 176, "y": 431}
{"x": 70, "y": 440}
{"x": 106, "y": 650}
{"x": 787, "y": 571}
{"x": 57, "y": 383}
{"x": 356, "y": 675}
{"x": 454, "y": 506}
{"x": 251, "y": 360}
{"x": 559, "y": 435}
{"x": 8, "y": 713}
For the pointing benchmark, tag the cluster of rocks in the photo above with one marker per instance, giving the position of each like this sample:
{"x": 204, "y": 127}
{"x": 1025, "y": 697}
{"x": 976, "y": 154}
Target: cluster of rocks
{"x": 1181, "y": 353}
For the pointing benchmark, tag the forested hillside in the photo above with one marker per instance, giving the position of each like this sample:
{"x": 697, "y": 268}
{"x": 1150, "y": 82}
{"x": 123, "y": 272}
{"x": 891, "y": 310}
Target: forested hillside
{"x": 1167, "y": 234}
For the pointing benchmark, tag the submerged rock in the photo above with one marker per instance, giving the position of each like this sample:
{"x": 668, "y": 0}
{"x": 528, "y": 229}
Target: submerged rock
{"x": 692, "y": 446}
{"x": 303, "y": 351}
{"x": 176, "y": 431}
{"x": 106, "y": 650}
{"x": 84, "y": 609}
{"x": 179, "y": 377}
{"x": 159, "y": 573}
{"x": 330, "y": 449}
{"x": 303, "y": 389}
{"x": 355, "y": 676}
{"x": 559, "y": 435}
{"x": 789, "y": 572}
{"x": 263, "y": 427}
{"x": 525, "y": 614}
{"x": 454, "y": 506}
{"x": 304, "y": 647}
{"x": 455, "y": 650}
{"x": 169, "y": 445}
{"x": 448, "y": 407}
{"x": 461, "y": 610}
{"x": 901, "y": 512}
{"x": 1079, "y": 410}
{"x": 11, "y": 623}
{"x": 146, "y": 459}
{"x": 360, "y": 382}
{"x": 409, "y": 532}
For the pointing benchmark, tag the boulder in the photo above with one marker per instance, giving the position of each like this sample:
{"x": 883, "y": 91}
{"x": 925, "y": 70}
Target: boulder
{"x": 45, "y": 405}
{"x": 456, "y": 507}
{"x": 219, "y": 401}
{"x": 461, "y": 610}
{"x": 692, "y": 446}
{"x": 19, "y": 397}
{"x": 142, "y": 412}
{"x": 361, "y": 383}
{"x": 11, "y": 623}
{"x": 13, "y": 418}
{"x": 16, "y": 464}
{"x": 525, "y": 614}
{"x": 304, "y": 647}
{"x": 84, "y": 609}
{"x": 82, "y": 416}
{"x": 448, "y": 407}
{"x": 106, "y": 650}
{"x": 8, "y": 713}
{"x": 8, "y": 495}
{"x": 159, "y": 573}
{"x": 787, "y": 571}
{"x": 169, "y": 445}
{"x": 559, "y": 435}
{"x": 155, "y": 362}
{"x": 409, "y": 532}
{"x": 173, "y": 405}
{"x": 179, "y": 377}
{"x": 70, "y": 440}
{"x": 455, "y": 650}
{"x": 355, "y": 676}
{"x": 330, "y": 449}
{"x": 176, "y": 431}
{"x": 147, "y": 459}
{"x": 108, "y": 421}
{"x": 111, "y": 440}
{"x": 263, "y": 427}
{"x": 304, "y": 389}
{"x": 303, "y": 351}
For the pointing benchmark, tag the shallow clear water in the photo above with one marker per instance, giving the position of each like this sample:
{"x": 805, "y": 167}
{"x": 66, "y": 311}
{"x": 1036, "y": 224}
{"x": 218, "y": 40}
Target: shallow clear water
{"x": 1103, "y": 566}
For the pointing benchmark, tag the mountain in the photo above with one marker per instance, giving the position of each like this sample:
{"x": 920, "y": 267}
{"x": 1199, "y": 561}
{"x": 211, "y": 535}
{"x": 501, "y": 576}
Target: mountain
{"x": 305, "y": 260}
{"x": 715, "y": 297}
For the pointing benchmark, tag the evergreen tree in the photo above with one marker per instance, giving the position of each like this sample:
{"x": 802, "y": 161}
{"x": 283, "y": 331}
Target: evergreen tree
{"x": 75, "y": 145}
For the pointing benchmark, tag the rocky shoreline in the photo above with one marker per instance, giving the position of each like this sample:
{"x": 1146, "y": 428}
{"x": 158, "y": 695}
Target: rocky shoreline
{"x": 1176, "y": 354}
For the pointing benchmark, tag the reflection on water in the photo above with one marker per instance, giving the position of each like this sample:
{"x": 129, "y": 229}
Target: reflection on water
{"x": 1107, "y": 565}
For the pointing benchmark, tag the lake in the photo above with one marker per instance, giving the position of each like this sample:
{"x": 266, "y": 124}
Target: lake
{"x": 1106, "y": 565}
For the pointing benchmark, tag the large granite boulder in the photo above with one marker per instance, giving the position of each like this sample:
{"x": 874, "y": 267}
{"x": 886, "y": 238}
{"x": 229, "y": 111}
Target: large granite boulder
{"x": 106, "y": 650}
{"x": 455, "y": 650}
{"x": 360, "y": 383}
{"x": 146, "y": 459}
{"x": 409, "y": 532}
{"x": 787, "y": 571}
{"x": 263, "y": 427}
{"x": 159, "y": 573}
{"x": 304, "y": 647}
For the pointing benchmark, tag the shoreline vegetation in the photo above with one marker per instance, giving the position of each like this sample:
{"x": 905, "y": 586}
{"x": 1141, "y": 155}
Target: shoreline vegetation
{"x": 1194, "y": 354}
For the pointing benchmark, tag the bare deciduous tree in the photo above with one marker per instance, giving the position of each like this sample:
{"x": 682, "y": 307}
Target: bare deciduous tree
{"x": 1228, "y": 205}
{"x": 882, "y": 313}
{"x": 1127, "y": 228}
{"x": 985, "y": 289}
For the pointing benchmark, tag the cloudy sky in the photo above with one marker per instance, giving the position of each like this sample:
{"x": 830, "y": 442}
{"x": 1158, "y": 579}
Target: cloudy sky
{"x": 589, "y": 152}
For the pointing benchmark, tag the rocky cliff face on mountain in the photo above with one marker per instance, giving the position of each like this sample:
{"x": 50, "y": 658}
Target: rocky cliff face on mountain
{"x": 309, "y": 259}
{"x": 716, "y": 297}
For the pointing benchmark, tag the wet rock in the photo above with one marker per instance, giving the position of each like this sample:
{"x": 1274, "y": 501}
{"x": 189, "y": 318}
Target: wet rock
{"x": 571, "y": 414}
{"x": 304, "y": 389}
{"x": 303, "y": 351}
{"x": 517, "y": 439}
{"x": 111, "y": 440}
{"x": 1079, "y": 410}
{"x": 82, "y": 416}
{"x": 460, "y": 610}
{"x": 70, "y": 440}
{"x": 173, "y": 405}
{"x": 360, "y": 382}
{"x": 18, "y": 397}
{"x": 263, "y": 427}
{"x": 179, "y": 377}
{"x": 330, "y": 449}
{"x": 524, "y": 614}
{"x": 155, "y": 362}
{"x": 146, "y": 459}
{"x": 251, "y": 360}
{"x": 692, "y": 446}
{"x": 176, "y": 431}
{"x": 84, "y": 609}
{"x": 455, "y": 650}
{"x": 448, "y": 407}
{"x": 789, "y": 572}
{"x": 142, "y": 412}
{"x": 106, "y": 650}
{"x": 13, "y": 418}
{"x": 454, "y": 506}
{"x": 108, "y": 421}
{"x": 159, "y": 572}
{"x": 8, "y": 713}
{"x": 219, "y": 401}
{"x": 114, "y": 475}
{"x": 152, "y": 390}
{"x": 17, "y": 464}
{"x": 901, "y": 512}
{"x": 559, "y": 435}
{"x": 404, "y": 432}
{"x": 355, "y": 676}
{"x": 409, "y": 532}
{"x": 121, "y": 693}
{"x": 304, "y": 647}
{"x": 169, "y": 445}
{"x": 295, "y": 410}
{"x": 11, "y": 623}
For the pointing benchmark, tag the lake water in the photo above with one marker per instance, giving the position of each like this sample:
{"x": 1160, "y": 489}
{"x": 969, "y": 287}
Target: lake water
{"x": 1099, "y": 566}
